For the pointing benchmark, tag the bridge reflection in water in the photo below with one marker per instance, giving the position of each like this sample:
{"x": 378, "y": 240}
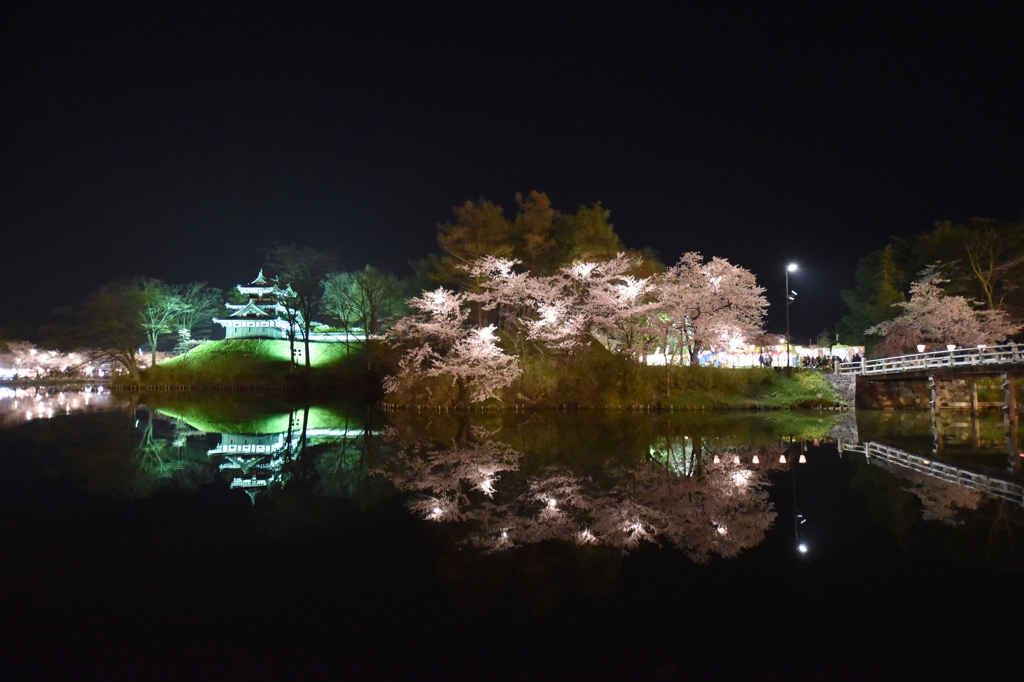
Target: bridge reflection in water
{"x": 975, "y": 453}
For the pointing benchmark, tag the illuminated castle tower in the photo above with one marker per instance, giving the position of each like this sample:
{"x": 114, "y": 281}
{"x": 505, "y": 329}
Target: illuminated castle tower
{"x": 262, "y": 316}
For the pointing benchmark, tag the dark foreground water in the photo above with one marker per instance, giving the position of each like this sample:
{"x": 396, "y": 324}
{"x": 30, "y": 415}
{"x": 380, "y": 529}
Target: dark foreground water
{"x": 193, "y": 537}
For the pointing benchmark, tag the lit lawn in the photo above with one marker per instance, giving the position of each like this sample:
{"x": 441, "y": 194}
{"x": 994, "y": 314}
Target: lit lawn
{"x": 245, "y": 413}
{"x": 244, "y": 361}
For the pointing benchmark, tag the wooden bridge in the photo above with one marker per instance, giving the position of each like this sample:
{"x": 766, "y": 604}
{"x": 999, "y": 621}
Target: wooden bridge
{"x": 989, "y": 359}
{"x": 1005, "y": 361}
{"x": 1007, "y": 490}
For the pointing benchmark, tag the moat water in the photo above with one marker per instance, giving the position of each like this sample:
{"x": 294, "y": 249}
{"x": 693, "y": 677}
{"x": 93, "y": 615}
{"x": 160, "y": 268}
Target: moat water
{"x": 253, "y": 537}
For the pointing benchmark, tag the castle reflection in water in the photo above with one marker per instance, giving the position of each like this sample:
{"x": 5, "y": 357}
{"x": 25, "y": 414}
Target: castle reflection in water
{"x": 700, "y": 483}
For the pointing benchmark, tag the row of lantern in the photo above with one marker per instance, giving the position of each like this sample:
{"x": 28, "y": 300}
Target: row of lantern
{"x": 757, "y": 460}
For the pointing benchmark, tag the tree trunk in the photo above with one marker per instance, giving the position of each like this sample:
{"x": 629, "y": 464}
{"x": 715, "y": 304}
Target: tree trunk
{"x": 305, "y": 422}
{"x": 291, "y": 350}
{"x": 668, "y": 376}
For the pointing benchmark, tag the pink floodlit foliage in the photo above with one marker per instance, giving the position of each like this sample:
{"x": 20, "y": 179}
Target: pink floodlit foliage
{"x": 446, "y": 478}
{"x": 439, "y": 344}
{"x": 23, "y": 360}
{"x": 477, "y": 365}
{"x": 716, "y": 510}
{"x": 947, "y": 319}
{"x": 502, "y": 290}
{"x": 588, "y": 298}
{"x": 694, "y": 306}
{"x": 707, "y": 305}
{"x": 439, "y": 319}
{"x": 899, "y": 340}
{"x": 558, "y": 325}
{"x": 500, "y": 285}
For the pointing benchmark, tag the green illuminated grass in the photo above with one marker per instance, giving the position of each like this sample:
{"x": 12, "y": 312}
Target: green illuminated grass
{"x": 246, "y": 412}
{"x": 253, "y": 362}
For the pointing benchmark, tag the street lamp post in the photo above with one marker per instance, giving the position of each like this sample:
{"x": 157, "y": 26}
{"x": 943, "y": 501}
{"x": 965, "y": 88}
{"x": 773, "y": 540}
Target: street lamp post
{"x": 790, "y": 296}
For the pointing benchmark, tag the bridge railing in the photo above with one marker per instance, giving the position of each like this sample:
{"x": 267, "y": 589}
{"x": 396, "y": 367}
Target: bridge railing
{"x": 958, "y": 357}
{"x": 1008, "y": 490}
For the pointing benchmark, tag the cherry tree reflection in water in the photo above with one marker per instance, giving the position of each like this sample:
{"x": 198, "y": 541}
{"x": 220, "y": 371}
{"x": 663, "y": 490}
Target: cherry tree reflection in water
{"x": 678, "y": 495}
{"x": 24, "y": 403}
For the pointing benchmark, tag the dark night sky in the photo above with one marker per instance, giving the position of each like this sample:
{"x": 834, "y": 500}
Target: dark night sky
{"x": 180, "y": 143}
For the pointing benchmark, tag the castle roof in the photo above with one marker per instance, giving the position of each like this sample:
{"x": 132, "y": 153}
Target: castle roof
{"x": 250, "y": 309}
{"x": 260, "y": 281}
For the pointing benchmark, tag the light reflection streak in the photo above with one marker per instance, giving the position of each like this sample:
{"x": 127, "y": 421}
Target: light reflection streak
{"x": 22, "y": 404}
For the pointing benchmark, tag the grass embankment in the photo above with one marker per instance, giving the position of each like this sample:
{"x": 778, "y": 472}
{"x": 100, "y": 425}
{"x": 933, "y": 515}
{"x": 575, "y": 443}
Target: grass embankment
{"x": 262, "y": 363}
{"x": 592, "y": 378}
{"x": 595, "y": 378}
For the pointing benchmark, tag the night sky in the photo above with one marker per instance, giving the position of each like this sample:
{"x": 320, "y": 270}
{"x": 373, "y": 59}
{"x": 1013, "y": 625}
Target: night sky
{"x": 180, "y": 143}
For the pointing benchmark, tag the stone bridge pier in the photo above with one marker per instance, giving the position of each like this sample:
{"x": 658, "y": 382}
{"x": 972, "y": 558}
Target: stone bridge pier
{"x": 936, "y": 391}
{"x": 937, "y": 380}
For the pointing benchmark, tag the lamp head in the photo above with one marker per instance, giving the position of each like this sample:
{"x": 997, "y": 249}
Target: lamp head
{"x": 791, "y": 267}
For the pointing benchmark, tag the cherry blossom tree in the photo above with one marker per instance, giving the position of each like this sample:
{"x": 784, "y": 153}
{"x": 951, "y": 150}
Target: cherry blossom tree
{"x": 898, "y": 341}
{"x": 710, "y": 305}
{"x": 502, "y": 290}
{"x": 696, "y": 305}
{"x": 592, "y": 298}
{"x": 439, "y": 344}
{"x": 438, "y": 319}
{"x": 477, "y": 366}
{"x": 600, "y": 299}
{"x": 446, "y": 477}
{"x": 703, "y": 507}
{"x": 557, "y": 324}
{"x": 22, "y": 359}
{"x": 621, "y": 308}
{"x": 947, "y": 319}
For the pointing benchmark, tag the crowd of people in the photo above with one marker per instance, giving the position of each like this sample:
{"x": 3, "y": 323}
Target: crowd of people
{"x": 825, "y": 363}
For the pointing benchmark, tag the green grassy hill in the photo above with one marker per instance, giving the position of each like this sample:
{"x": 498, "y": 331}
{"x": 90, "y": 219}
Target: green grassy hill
{"x": 591, "y": 378}
{"x": 259, "y": 362}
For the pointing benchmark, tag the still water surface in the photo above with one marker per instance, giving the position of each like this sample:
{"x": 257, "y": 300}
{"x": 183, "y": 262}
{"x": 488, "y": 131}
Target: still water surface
{"x": 255, "y": 537}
